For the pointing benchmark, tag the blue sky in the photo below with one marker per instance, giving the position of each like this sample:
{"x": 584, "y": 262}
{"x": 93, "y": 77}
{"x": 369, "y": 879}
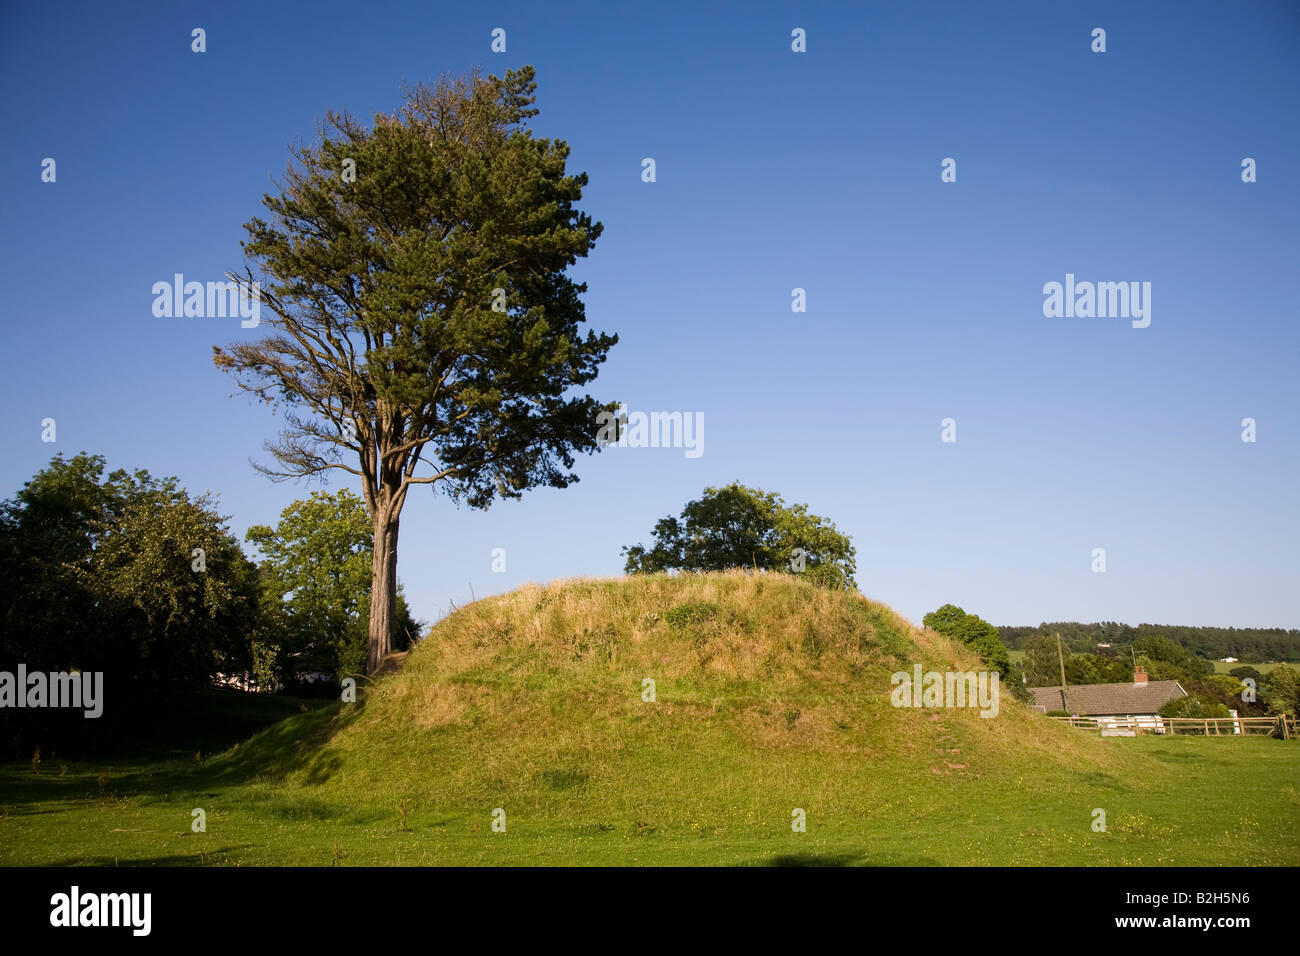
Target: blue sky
{"x": 775, "y": 170}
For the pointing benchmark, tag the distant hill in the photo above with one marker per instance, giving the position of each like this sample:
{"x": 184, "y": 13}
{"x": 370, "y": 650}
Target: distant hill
{"x": 1248, "y": 644}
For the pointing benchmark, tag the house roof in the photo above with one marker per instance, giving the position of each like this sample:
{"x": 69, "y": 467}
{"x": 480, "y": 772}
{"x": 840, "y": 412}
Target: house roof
{"x": 1105, "y": 699}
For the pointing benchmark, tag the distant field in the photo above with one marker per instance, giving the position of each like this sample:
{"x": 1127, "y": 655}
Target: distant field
{"x": 771, "y": 697}
{"x": 1221, "y": 668}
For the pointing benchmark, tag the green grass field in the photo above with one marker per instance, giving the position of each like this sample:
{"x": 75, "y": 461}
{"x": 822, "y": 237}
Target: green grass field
{"x": 771, "y": 695}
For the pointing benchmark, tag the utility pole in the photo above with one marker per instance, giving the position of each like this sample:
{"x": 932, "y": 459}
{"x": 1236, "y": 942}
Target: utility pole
{"x": 1060, "y": 656}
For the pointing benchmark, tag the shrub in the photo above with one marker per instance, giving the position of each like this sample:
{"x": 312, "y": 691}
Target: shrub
{"x": 1194, "y": 706}
{"x": 696, "y": 612}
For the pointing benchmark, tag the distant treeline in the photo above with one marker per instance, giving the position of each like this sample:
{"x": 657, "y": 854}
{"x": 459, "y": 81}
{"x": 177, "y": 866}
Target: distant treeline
{"x": 1247, "y": 644}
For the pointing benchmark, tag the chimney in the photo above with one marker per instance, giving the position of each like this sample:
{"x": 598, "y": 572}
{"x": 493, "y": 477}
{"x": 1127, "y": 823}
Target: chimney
{"x": 1139, "y": 677}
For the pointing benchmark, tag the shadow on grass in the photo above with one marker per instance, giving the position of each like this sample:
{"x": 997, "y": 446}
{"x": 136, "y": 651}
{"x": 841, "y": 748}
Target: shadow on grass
{"x": 206, "y": 858}
{"x": 297, "y": 744}
{"x": 816, "y": 859}
{"x": 1096, "y": 779}
{"x": 32, "y": 793}
{"x": 843, "y": 859}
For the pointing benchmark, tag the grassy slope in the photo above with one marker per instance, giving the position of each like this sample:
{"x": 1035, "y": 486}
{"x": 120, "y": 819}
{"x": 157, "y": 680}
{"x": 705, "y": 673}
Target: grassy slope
{"x": 772, "y": 695}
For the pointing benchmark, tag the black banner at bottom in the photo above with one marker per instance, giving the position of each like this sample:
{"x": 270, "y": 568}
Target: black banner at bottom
{"x": 232, "y": 906}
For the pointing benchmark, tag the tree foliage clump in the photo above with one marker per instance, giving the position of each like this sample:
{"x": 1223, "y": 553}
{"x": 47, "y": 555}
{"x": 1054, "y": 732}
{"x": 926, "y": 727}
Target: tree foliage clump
{"x": 1194, "y": 705}
{"x": 1042, "y": 665}
{"x": 125, "y": 575}
{"x": 981, "y": 637}
{"x": 1281, "y": 690}
{"x": 735, "y": 526}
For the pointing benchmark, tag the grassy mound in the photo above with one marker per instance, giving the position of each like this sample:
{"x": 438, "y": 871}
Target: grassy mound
{"x": 769, "y": 694}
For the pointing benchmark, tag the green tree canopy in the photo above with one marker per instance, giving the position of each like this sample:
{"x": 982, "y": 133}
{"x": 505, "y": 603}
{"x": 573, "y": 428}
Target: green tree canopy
{"x": 1042, "y": 664}
{"x": 980, "y": 636}
{"x": 1194, "y": 705}
{"x": 735, "y": 526}
{"x": 1095, "y": 669}
{"x": 1245, "y": 671}
{"x": 1281, "y": 690}
{"x": 182, "y": 592}
{"x": 123, "y": 574}
{"x": 1166, "y": 659}
{"x": 48, "y": 532}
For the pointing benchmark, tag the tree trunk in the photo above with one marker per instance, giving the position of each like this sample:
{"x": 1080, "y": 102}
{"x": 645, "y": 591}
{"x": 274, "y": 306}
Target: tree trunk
{"x": 383, "y": 589}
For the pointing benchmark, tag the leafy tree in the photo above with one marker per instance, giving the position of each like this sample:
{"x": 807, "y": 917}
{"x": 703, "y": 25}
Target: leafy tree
{"x": 949, "y": 620}
{"x": 973, "y": 631}
{"x": 981, "y": 637}
{"x": 1246, "y": 671}
{"x": 48, "y": 532}
{"x": 1095, "y": 669}
{"x": 123, "y": 574}
{"x": 1041, "y": 664}
{"x": 1281, "y": 690}
{"x": 267, "y": 663}
{"x": 735, "y": 526}
{"x": 1194, "y": 705}
{"x": 317, "y": 568}
{"x": 1168, "y": 660}
{"x": 421, "y": 314}
{"x": 1223, "y": 688}
{"x": 181, "y": 592}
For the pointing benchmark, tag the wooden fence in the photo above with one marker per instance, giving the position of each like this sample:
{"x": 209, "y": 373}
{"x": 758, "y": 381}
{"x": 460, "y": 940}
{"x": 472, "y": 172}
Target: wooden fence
{"x": 1282, "y": 726}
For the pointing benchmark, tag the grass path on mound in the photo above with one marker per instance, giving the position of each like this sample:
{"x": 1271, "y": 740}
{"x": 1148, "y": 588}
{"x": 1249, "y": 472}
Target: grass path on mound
{"x": 1193, "y": 802}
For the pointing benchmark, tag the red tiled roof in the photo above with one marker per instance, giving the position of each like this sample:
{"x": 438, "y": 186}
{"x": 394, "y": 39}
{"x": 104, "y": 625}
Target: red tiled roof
{"x": 1090, "y": 700}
